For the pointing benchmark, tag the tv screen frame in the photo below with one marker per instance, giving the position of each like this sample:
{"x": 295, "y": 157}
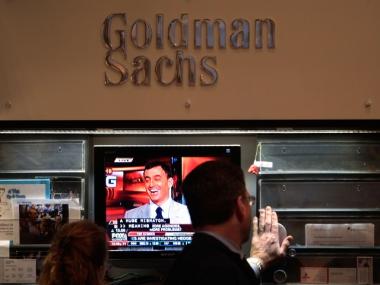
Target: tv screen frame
{"x": 105, "y": 156}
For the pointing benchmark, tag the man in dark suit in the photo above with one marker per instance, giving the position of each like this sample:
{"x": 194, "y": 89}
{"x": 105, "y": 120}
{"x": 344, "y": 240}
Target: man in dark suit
{"x": 220, "y": 210}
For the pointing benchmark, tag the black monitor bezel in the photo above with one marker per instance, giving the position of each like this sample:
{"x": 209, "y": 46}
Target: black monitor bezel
{"x": 100, "y": 152}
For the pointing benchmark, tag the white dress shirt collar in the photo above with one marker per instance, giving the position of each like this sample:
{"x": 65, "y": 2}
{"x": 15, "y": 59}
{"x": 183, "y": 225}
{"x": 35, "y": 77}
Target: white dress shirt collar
{"x": 165, "y": 208}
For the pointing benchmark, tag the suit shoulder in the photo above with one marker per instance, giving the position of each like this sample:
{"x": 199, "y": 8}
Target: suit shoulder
{"x": 136, "y": 212}
{"x": 179, "y": 205}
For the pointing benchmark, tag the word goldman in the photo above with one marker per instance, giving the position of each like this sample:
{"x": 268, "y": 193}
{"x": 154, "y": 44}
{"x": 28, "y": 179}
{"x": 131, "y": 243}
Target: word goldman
{"x": 168, "y": 70}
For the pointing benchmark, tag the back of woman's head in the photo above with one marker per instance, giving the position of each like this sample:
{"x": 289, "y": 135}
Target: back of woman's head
{"x": 77, "y": 256}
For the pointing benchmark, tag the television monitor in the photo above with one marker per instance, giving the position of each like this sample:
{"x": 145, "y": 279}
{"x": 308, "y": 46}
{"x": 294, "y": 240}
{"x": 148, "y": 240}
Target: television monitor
{"x": 120, "y": 186}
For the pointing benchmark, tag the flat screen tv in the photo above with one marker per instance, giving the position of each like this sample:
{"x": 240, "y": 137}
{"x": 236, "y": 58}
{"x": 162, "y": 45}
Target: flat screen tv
{"x": 119, "y": 186}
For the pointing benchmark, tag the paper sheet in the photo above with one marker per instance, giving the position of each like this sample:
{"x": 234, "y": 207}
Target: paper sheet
{"x": 17, "y": 270}
{"x": 4, "y": 248}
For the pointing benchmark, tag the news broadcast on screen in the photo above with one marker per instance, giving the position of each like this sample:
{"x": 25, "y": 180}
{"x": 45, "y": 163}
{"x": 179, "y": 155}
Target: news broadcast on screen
{"x": 135, "y": 181}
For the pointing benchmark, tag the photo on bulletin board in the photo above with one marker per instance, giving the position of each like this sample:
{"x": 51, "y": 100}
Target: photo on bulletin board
{"x": 20, "y": 189}
{"x": 67, "y": 188}
{"x": 39, "y": 222}
{"x": 11, "y": 189}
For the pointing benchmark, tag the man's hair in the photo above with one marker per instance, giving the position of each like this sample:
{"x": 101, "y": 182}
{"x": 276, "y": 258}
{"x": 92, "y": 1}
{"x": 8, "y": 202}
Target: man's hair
{"x": 164, "y": 165}
{"x": 76, "y": 256}
{"x": 211, "y": 190}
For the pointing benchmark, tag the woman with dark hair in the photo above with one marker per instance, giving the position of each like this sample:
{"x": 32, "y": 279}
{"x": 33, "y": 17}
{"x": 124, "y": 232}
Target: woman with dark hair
{"x": 77, "y": 256}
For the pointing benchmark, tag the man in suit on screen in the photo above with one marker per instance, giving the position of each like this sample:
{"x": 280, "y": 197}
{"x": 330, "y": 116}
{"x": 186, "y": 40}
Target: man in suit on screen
{"x": 158, "y": 180}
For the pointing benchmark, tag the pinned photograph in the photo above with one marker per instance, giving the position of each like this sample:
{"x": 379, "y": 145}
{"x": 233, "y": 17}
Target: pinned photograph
{"x": 20, "y": 189}
{"x": 39, "y": 222}
{"x": 68, "y": 188}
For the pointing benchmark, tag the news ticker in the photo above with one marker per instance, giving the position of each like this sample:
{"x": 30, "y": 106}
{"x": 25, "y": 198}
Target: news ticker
{"x": 147, "y": 232}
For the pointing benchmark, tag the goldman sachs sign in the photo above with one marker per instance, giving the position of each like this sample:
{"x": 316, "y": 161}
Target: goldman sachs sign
{"x": 170, "y": 69}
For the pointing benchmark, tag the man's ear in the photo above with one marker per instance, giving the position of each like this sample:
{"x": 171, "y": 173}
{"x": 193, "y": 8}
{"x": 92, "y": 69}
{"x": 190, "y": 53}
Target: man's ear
{"x": 170, "y": 182}
{"x": 240, "y": 208}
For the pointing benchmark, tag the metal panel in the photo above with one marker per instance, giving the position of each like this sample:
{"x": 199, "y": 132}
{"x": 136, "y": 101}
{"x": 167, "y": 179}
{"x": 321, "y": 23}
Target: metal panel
{"x": 42, "y": 156}
{"x": 295, "y": 226}
{"x": 289, "y": 272}
{"x": 320, "y": 157}
{"x": 327, "y": 194}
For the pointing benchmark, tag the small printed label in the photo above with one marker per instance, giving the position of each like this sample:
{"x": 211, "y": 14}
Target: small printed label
{"x": 123, "y": 159}
{"x": 266, "y": 164}
{"x": 313, "y": 275}
{"x": 340, "y": 234}
{"x": 342, "y": 275}
{"x": 364, "y": 270}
